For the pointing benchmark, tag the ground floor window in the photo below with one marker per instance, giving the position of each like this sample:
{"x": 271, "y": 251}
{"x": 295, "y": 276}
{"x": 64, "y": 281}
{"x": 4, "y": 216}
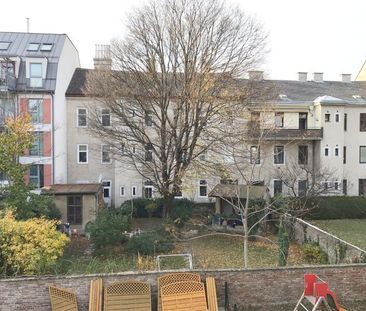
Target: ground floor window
{"x": 302, "y": 188}
{"x": 277, "y": 187}
{"x": 36, "y": 175}
{"x": 362, "y": 187}
{"x": 107, "y": 187}
{"x": 148, "y": 190}
{"x": 75, "y": 209}
{"x": 203, "y": 188}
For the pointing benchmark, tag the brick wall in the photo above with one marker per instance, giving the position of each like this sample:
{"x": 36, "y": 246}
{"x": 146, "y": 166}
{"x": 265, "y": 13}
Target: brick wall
{"x": 255, "y": 287}
{"x": 338, "y": 251}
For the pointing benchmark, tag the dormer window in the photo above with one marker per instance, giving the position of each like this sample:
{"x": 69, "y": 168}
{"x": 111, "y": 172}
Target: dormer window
{"x": 35, "y": 74}
{"x": 33, "y": 47}
{"x": 4, "y": 45}
{"x": 46, "y": 47}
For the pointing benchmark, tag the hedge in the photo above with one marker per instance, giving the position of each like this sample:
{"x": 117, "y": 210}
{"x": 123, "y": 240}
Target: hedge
{"x": 336, "y": 207}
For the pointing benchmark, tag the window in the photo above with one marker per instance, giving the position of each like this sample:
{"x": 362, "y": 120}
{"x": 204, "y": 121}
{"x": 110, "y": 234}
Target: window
{"x": 336, "y": 185}
{"x": 4, "y": 45}
{"x": 362, "y": 122}
{"x": 344, "y": 154}
{"x": 123, "y": 149}
{"x": 35, "y": 110}
{"x": 37, "y": 146}
{"x": 327, "y": 117}
{"x": 326, "y": 151}
{"x": 303, "y": 120}
{"x": 148, "y": 190}
{"x": 36, "y": 175}
{"x": 107, "y": 187}
{"x": 122, "y": 191}
{"x": 134, "y": 191}
{"x": 203, "y": 188}
{"x": 277, "y": 187}
{"x": 81, "y": 118}
{"x": 106, "y": 156}
{"x": 255, "y": 120}
{"x": 302, "y": 187}
{"x": 148, "y": 119}
{"x": 325, "y": 186}
{"x": 279, "y": 155}
{"x": 82, "y": 154}
{"x": 35, "y": 74}
{"x": 33, "y": 47}
{"x": 279, "y": 118}
{"x": 336, "y": 151}
{"x": 75, "y": 209}
{"x": 255, "y": 156}
{"x": 361, "y": 186}
{"x": 337, "y": 117}
{"x": 345, "y": 122}
{"x": 106, "y": 117}
{"x": 148, "y": 152}
{"x": 303, "y": 155}
{"x": 344, "y": 186}
{"x": 362, "y": 154}
{"x": 46, "y": 47}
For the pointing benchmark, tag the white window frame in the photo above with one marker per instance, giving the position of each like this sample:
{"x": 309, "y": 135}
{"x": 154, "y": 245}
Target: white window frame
{"x": 78, "y": 152}
{"x": 106, "y": 114}
{"x": 327, "y": 148}
{"x": 284, "y": 155}
{"x": 107, "y": 187}
{"x": 282, "y": 184}
{"x": 336, "y": 151}
{"x": 77, "y": 117}
{"x": 202, "y": 185}
{"x": 109, "y": 154}
{"x": 122, "y": 191}
{"x": 336, "y": 117}
{"x": 134, "y": 189}
{"x": 152, "y": 191}
{"x": 38, "y": 103}
{"x": 35, "y": 77}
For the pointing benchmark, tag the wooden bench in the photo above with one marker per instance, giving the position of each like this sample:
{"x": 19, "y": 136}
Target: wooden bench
{"x": 131, "y": 295}
{"x": 96, "y": 295}
{"x": 183, "y": 296}
{"x": 173, "y": 278}
{"x": 62, "y": 299}
{"x": 211, "y": 294}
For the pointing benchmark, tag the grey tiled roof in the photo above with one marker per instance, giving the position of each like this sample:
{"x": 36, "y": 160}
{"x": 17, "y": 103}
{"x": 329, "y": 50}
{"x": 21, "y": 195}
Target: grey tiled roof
{"x": 295, "y": 91}
{"x": 18, "y": 47}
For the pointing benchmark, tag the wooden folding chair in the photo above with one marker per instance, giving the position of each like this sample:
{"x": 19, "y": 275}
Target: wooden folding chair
{"x": 173, "y": 278}
{"x": 183, "y": 296}
{"x": 211, "y": 294}
{"x": 62, "y": 299}
{"x": 96, "y": 295}
{"x": 131, "y": 295}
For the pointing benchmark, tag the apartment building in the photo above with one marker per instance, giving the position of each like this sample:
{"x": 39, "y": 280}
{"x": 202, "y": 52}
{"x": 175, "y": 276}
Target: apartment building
{"x": 313, "y": 124}
{"x": 35, "y": 70}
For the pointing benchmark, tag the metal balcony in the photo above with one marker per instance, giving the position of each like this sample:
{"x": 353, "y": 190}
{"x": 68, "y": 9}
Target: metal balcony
{"x": 285, "y": 133}
{"x": 7, "y": 82}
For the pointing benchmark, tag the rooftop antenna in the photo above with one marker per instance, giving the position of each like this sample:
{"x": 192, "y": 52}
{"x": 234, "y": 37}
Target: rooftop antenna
{"x": 27, "y": 18}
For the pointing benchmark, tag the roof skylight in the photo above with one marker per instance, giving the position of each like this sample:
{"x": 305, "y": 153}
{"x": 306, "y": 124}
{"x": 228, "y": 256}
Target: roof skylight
{"x": 46, "y": 47}
{"x": 33, "y": 47}
{"x": 4, "y": 45}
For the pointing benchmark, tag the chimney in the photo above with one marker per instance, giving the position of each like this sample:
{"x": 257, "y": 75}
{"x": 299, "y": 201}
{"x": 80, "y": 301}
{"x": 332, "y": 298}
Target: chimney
{"x": 346, "y": 77}
{"x": 255, "y": 75}
{"x": 318, "y": 76}
{"x": 102, "y": 57}
{"x": 303, "y": 76}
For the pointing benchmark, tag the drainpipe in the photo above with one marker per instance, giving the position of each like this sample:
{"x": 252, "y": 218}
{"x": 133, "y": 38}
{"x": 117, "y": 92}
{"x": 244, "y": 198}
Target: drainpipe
{"x": 53, "y": 139}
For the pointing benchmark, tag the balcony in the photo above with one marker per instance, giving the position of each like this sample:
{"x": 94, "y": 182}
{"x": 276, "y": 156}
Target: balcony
{"x": 254, "y": 132}
{"x": 7, "y": 82}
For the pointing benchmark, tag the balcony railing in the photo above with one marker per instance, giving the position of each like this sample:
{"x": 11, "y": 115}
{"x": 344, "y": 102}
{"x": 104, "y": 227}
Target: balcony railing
{"x": 255, "y": 132}
{"x": 7, "y": 82}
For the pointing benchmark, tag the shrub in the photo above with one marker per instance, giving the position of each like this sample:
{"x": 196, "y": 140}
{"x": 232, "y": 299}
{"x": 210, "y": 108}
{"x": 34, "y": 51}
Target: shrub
{"x": 108, "y": 230}
{"x": 139, "y": 207}
{"x": 181, "y": 211}
{"x": 314, "y": 254}
{"x": 150, "y": 244}
{"x": 30, "y": 246}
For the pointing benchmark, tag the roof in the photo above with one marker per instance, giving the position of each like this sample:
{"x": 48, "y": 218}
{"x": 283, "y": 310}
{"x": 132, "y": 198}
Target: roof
{"x": 19, "y": 42}
{"x": 294, "y": 91}
{"x": 59, "y": 189}
{"x": 233, "y": 191}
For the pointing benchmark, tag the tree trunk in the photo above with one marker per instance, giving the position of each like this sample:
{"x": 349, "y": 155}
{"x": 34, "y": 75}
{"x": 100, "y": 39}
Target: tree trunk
{"x": 167, "y": 205}
{"x": 246, "y": 229}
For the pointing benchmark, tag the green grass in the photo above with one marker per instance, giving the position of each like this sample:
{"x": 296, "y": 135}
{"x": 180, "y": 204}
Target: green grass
{"x": 350, "y": 230}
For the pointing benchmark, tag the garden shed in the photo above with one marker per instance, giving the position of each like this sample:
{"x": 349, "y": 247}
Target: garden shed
{"x": 78, "y": 203}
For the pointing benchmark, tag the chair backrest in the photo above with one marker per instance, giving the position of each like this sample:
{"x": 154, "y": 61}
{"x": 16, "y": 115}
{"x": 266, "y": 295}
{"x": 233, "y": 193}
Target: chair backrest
{"x": 96, "y": 295}
{"x": 173, "y": 278}
{"x": 211, "y": 294}
{"x": 182, "y": 296}
{"x": 130, "y": 295}
{"x": 62, "y": 299}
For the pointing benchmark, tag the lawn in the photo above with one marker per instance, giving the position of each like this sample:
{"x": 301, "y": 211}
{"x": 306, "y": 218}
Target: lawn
{"x": 350, "y": 230}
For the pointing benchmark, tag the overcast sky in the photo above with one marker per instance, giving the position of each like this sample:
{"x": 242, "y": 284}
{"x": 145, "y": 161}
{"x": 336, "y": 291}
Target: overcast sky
{"x": 304, "y": 35}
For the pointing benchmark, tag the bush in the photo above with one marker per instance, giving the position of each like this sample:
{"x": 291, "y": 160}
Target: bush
{"x": 30, "y": 246}
{"x": 150, "y": 244}
{"x": 336, "y": 207}
{"x": 314, "y": 254}
{"x": 108, "y": 230}
{"x": 139, "y": 208}
{"x": 181, "y": 211}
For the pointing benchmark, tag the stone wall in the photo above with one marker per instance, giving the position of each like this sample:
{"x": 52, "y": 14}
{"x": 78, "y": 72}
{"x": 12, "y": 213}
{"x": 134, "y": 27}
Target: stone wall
{"x": 252, "y": 287}
{"x": 338, "y": 250}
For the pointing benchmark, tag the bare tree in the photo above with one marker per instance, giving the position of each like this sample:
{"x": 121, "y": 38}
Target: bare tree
{"x": 173, "y": 85}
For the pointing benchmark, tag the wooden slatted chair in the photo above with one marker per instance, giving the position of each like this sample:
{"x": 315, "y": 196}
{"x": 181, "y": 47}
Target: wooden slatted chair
{"x": 173, "y": 278}
{"x": 211, "y": 294}
{"x": 62, "y": 299}
{"x": 131, "y": 295}
{"x": 96, "y": 295}
{"x": 183, "y": 296}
